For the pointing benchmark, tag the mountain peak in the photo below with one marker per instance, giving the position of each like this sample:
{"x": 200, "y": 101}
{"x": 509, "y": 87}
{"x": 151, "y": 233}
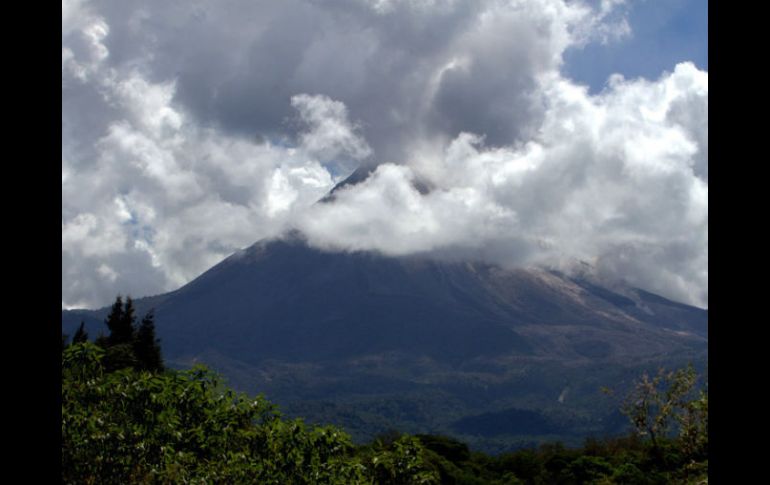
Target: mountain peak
{"x": 361, "y": 174}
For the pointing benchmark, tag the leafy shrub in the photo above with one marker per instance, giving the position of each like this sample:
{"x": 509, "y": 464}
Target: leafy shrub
{"x": 129, "y": 426}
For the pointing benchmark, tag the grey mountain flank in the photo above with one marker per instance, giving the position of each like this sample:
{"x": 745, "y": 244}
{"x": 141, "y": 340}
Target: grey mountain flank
{"x": 374, "y": 342}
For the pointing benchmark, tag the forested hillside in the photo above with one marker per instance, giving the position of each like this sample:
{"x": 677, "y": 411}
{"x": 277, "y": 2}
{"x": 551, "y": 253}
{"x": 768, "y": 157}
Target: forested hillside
{"x": 126, "y": 419}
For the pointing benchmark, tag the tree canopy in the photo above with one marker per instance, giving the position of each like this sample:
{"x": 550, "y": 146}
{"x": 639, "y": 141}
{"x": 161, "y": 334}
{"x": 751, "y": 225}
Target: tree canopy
{"x": 130, "y": 426}
{"x": 129, "y": 345}
{"x": 126, "y": 419}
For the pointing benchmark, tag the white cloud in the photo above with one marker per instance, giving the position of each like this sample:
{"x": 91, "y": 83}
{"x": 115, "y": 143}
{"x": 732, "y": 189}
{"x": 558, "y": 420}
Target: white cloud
{"x": 107, "y": 272}
{"x": 73, "y": 14}
{"x": 169, "y": 198}
{"x": 330, "y": 136}
{"x": 609, "y": 179}
{"x": 162, "y": 175}
{"x": 85, "y": 34}
{"x": 96, "y": 235}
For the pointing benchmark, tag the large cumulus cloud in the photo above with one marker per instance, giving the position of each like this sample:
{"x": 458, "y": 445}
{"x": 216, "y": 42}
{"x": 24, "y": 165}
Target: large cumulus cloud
{"x": 193, "y": 128}
{"x": 613, "y": 179}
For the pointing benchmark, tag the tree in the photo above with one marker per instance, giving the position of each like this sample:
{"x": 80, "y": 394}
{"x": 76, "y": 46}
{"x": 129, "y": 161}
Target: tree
{"x": 120, "y": 356}
{"x": 184, "y": 427}
{"x": 146, "y": 346}
{"x": 115, "y": 318}
{"x": 81, "y": 335}
{"x": 123, "y": 331}
{"x": 693, "y": 426}
{"x": 655, "y": 402}
{"x": 121, "y": 322}
{"x": 128, "y": 346}
{"x": 102, "y": 340}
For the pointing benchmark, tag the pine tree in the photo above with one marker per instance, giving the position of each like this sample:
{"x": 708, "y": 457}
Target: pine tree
{"x": 127, "y": 345}
{"x": 102, "y": 340}
{"x": 81, "y": 335}
{"x": 147, "y": 347}
{"x": 120, "y": 321}
{"x": 119, "y": 357}
{"x": 127, "y": 327}
{"x": 115, "y": 317}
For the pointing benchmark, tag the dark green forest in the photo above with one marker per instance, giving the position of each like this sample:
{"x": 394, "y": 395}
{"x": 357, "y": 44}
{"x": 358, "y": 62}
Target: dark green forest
{"x": 126, "y": 418}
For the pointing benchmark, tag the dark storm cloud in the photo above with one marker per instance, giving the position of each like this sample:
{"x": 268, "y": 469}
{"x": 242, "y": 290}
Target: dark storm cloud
{"x": 236, "y": 64}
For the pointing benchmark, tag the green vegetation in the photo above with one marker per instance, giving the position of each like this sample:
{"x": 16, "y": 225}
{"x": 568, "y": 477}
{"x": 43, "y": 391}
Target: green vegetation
{"x": 125, "y": 419}
{"x": 625, "y": 460}
{"x": 127, "y": 345}
{"x": 81, "y": 335}
{"x": 135, "y": 426}
{"x": 668, "y": 398}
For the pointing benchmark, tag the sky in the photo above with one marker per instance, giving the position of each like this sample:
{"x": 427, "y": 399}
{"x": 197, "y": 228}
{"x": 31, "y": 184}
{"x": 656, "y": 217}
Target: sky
{"x": 547, "y": 132}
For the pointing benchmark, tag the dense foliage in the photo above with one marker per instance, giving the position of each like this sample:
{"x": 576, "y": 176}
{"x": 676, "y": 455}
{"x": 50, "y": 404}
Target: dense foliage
{"x": 127, "y": 420}
{"x": 131, "y": 426}
{"x": 626, "y": 460}
{"x": 669, "y": 445}
{"x": 129, "y": 345}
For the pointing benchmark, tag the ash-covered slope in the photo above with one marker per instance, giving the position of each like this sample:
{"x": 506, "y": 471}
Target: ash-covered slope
{"x": 372, "y": 342}
{"x": 284, "y": 300}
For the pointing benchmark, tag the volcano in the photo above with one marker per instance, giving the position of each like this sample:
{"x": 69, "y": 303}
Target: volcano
{"x": 373, "y": 342}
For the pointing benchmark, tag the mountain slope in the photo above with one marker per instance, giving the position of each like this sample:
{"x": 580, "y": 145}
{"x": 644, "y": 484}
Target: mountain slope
{"x": 370, "y": 341}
